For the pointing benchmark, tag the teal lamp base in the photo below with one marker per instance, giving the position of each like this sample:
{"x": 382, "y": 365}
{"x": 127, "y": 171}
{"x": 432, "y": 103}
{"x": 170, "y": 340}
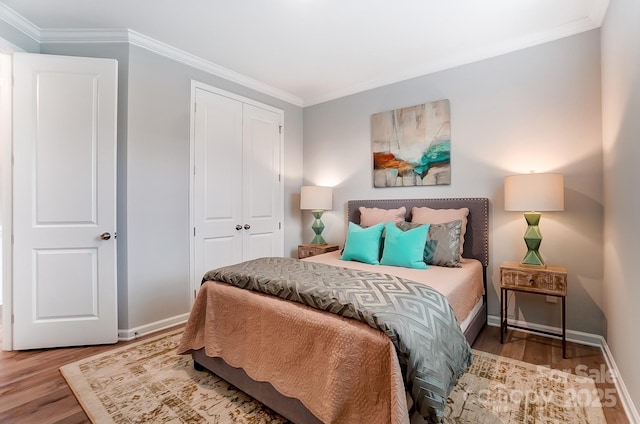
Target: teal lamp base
{"x": 533, "y": 239}
{"x": 317, "y": 227}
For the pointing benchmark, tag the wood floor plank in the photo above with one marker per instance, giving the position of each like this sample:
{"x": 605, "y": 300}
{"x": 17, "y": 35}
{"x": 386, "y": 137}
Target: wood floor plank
{"x": 32, "y": 390}
{"x": 539, "y": 350}
{"x": 50, "y": 408}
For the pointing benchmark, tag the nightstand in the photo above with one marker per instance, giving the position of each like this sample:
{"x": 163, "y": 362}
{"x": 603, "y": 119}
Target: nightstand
{"x": 306, "y": 250}
{"x": 548, "y": 281}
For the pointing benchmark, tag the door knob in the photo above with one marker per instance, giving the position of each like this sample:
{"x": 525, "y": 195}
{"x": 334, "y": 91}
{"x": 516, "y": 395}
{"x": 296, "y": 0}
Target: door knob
{"x": 247, "y": 226}
{"x": 105, "y": 236}
{"x": 238, "y": 227}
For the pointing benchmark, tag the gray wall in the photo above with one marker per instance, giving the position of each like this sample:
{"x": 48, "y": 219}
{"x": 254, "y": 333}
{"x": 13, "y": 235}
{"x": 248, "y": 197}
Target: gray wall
{"x": 621, "y": 141}
{"x": 538, "y": 109}
{"x": 17, "y": 38}
{"x": 158, "y": 181}
{"x": 153, "y": 177}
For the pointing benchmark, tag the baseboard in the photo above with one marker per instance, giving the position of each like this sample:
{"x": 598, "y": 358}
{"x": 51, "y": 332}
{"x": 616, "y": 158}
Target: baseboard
{"x": 133, "y": 333}
{"x": 590, "y": 340}
{"x": 572, "y": 335}
{"x": 629, "y": 408}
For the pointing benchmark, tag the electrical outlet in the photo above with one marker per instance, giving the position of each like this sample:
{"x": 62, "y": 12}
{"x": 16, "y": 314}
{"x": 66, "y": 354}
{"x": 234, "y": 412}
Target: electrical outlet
{"x": 551, "y": 299}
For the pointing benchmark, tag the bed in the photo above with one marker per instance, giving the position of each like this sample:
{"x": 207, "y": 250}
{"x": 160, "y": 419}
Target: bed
{"x": 321, "y": 364}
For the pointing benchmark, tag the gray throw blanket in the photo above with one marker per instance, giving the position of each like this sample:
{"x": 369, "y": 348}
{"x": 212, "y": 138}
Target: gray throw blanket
{"x": 431, "y": 348}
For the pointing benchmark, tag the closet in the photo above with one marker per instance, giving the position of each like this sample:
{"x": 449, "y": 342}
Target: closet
{"x": 236, "y": 189}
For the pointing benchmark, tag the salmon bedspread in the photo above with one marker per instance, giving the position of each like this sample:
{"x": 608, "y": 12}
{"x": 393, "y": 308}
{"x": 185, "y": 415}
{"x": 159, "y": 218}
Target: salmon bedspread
{"x": 289, "y": 345}
{"x": 418, "y": 321}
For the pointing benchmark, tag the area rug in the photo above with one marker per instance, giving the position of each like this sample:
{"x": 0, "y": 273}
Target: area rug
{"x": 146, "y": 382}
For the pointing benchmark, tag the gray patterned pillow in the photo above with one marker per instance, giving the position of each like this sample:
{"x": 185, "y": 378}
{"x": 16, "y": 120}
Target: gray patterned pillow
{"x": 442, "y": 247}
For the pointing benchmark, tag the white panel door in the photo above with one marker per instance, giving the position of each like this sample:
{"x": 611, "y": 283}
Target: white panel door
{"x": 217, "y": 187}
{"x": 262, "y": 200}
{"x": 64, "y": 146}
{"x": 237, "y": 203}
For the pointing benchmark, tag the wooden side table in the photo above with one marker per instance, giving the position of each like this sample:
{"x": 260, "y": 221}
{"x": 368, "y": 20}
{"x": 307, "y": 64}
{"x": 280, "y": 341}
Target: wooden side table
{"x": 307, "y": 250}
{"x": 548, "y": 281}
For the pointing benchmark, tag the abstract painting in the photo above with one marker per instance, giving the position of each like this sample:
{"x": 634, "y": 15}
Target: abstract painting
{"x": 412, "y": 146}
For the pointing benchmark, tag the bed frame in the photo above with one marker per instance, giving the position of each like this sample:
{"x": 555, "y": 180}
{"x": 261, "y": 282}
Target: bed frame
{"x": 476, "y": 246}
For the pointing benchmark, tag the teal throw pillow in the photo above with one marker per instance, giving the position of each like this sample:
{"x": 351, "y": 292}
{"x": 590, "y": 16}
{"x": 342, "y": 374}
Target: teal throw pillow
{"x": 363, "y": 244}
{"x": 405, "y": 248}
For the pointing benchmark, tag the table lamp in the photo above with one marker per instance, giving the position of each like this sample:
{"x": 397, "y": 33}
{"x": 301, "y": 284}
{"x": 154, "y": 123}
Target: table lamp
{"x": 317, "y": 199}
{"x": 533, "y": 193}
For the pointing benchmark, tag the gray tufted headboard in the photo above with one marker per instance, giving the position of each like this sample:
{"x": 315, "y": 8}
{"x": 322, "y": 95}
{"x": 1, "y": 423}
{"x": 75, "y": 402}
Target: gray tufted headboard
{"x": 476, "y": 240}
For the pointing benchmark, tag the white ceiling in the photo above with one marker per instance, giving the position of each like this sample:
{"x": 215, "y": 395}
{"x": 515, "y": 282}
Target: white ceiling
{"x": 310, "y": 51}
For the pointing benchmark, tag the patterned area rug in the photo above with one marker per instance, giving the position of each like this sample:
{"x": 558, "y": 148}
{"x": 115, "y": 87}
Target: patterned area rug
{"x": 146, "y": 382}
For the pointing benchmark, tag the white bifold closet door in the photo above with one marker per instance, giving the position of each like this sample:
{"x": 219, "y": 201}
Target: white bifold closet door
{"x": 237, "y": 186}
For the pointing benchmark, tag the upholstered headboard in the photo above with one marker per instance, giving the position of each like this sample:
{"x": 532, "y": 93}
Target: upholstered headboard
{"x": 476, "y": 240}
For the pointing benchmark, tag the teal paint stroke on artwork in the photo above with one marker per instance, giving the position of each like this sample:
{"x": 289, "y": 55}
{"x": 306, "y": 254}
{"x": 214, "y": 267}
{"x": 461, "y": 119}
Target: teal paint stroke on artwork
{"x": 436, "y": 154}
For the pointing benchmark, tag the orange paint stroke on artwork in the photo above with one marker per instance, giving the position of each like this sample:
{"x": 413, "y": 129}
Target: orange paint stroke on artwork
{"x": 384, "y": 160}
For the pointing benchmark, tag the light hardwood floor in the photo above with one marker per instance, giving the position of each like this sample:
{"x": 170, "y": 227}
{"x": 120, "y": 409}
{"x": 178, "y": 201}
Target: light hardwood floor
{"x": 32, "y": 390}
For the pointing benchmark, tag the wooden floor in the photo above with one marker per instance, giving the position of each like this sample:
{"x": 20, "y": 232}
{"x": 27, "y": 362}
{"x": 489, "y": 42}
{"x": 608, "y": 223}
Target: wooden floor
{"x": 32, "y": 390}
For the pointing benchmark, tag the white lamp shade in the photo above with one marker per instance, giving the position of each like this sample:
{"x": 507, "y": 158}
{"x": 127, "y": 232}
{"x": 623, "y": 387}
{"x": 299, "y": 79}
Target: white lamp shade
{"x": 534, "y": 192}
{"x": 316, "y": 198}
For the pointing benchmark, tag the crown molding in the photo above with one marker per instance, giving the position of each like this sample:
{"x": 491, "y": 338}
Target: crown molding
{"x": 594, "y": 20}
{"x": 19, "y": 22}
{"x": 51, "y": 36}
{"x": 189, "y": 59}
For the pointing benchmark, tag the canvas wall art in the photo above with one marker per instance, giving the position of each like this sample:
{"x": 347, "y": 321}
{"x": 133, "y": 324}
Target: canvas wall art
{"x": 412, "y": 146}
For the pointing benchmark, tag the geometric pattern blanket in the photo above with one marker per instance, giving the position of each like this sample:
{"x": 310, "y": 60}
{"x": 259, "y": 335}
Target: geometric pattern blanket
{"x": 432, "y": 351}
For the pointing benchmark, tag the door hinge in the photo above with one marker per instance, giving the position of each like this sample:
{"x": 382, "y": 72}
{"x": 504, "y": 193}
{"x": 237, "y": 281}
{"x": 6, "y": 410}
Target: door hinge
{"x": 280, "y": 129}
{"x": 279, "y": 225}
{"x": 194, "y": 231}
{"x": 195, "y": 294}
{"x": 195, "y": 107}
{"x": 279, "y": 177}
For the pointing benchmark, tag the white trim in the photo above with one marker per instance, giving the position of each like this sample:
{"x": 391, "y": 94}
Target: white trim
{"x": 590, "y": 340}
{"x": 52, "y": 35}
{"x": 192, "y": 222}
{"x": 70, "y": 36}
{"x": 133, "y": 333}
{"x": 195, "y": 280}
{"x": 594, "y": 20}
{"x": 158, "y": 47}
{"x": 6, "y": 146}
{"x": 572, "y": 335}
{"x": 19, "y": 22}
{"x": 189, "y": 59}
{"x": 210, "y": 88}
{"x": 627, "y": 403}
